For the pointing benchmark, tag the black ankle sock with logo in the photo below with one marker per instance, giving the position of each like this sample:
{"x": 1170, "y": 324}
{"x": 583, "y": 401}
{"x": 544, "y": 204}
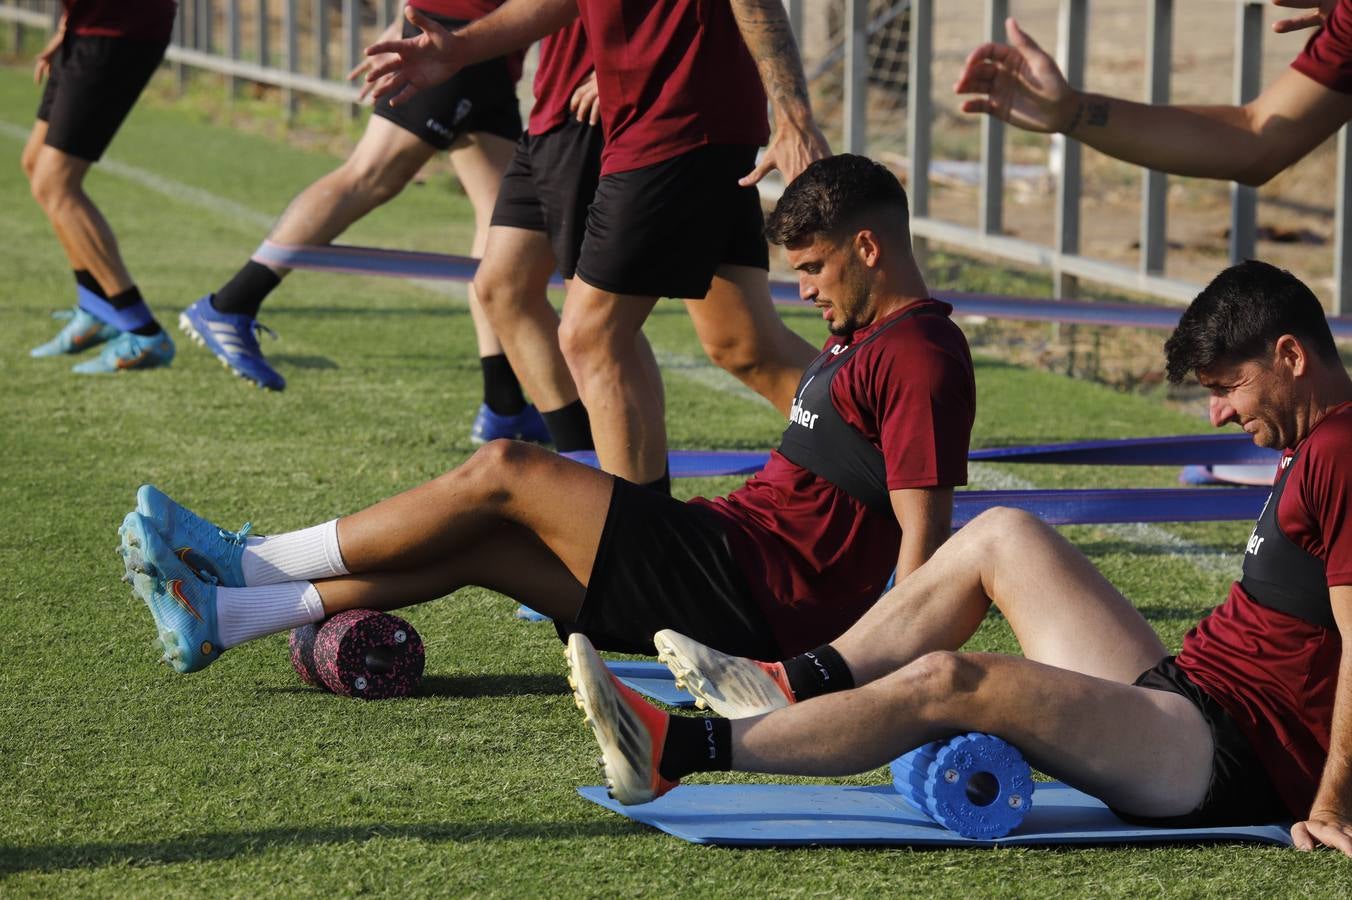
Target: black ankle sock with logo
{"x": 696, "y": 745}
{"x": 817, "y": 672}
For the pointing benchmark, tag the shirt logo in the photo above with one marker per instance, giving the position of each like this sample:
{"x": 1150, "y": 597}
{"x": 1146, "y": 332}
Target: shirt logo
{"x": 799, "y": 414}
{"x": 839, "y": 349}
{"x": 1255, "y": 544}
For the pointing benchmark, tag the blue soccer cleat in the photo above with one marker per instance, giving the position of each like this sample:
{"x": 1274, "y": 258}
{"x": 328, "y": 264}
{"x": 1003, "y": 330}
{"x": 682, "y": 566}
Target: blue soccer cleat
{"x": 527, "y": 425}
{"x": 80, "y": 332}
{"x": 234, "y": 340}
{"x": 209, "y": 550}
{"x": 130, "y": 351}
{"x": 182, "y": 604}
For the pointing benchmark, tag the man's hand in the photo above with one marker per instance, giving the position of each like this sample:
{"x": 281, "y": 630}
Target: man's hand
{"x": 401, "y": 68}
{"x": 1020, "y": 82}
{"x": 1323, "y": 829}
{"x": 792, "y": 149}
{"x": 586, "y": 101}
{"x": 43, "y": 65}
{"x": 1322, "y": 10}
{"x": 370, "y": 62}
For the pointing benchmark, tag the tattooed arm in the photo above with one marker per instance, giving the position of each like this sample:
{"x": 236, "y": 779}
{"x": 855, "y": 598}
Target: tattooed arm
{"x": 797, "y": 141}
{"x": 1021, "y": 84}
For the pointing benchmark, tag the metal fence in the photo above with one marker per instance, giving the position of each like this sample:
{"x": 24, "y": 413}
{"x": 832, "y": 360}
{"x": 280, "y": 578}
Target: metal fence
{"x": 860, "y": 50}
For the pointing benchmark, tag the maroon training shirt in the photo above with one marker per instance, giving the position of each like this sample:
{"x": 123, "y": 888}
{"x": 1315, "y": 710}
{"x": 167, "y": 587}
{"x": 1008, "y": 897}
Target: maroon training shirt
{"x": 1276, "y": 674}
{"x": 815, "y": 558}
{"x": 565, "y": 61}
{"x": 674, "y": 75}
{"x": 1327, "y": 57}
{"x": 138, "y": 20}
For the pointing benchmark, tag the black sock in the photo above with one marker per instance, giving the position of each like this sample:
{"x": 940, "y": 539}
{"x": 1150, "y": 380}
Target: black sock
{"x": 661, "y": 485}
{"x": 570, "y": 427}
{"x": 245, "y": 293}
{"x": 696, "y": 745}
{"x": 132, "y": 297}
{"x": 86, "y": 280}
{"x": 820, "y": 671}
{"x": 502, "y": 392}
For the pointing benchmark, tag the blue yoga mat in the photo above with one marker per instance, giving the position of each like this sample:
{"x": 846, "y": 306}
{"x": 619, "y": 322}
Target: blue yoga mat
{"x": 651, "y": 679}
{"x": 1101, "y": 507}
{"x": 441, "y": 266}
{"x": 783, "y": 815}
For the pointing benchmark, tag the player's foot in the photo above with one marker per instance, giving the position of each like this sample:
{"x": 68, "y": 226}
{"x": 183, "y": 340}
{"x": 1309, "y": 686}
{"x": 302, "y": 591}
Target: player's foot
{"x": 207, "y": 548}
{"x": 234, "y": 340}
{"x": 527, "y": 425}
{"x": 629, "y": 730}
{"x": 732, "y": 686}
{"x": 182, "y": 604}
{"x": 130, "y": 351}
{"x": 80, "y": 332}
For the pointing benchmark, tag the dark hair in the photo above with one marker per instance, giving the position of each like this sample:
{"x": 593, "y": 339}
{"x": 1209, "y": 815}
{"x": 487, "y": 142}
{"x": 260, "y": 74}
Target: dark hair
{"x": 836, "y": 194}
{"x": 1240, "y": 315}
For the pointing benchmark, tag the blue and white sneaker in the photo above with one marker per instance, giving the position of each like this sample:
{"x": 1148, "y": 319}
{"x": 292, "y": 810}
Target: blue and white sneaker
{"x": 130, "y": 350}
{"x": 80, "y": 332}
{"x": 234, "y": 339}
{"x": 182, "y": 604}
{"x": 527, "y": 425}
{"x": 208, "y": 549}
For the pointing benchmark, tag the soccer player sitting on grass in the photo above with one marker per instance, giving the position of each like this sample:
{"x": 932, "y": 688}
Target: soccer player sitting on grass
{"x": 1250, "y": 723}
{"x": 862, "y": 483}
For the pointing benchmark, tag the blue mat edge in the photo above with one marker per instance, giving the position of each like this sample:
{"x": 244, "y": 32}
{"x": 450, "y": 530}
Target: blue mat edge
{"x": 1268, "y": 835}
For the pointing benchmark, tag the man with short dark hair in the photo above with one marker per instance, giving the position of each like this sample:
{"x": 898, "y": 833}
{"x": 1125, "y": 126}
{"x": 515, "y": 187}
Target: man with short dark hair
{"x": 861, "y": 484}
{"x": 1251, "y": 722}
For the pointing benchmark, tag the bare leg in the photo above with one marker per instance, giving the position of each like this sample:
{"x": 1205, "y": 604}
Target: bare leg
{"x": 562, "y": 503}
{"x": 1062, "y": 610}
{"x": 383, "y": 162}
{"x": 617, "y": 379}
{"x": 57, "y": 182}
{"x": 479, "y": 161}
{"x": 742, "y": 334}
{"x": 511, "y": 286}
{"x": 509, "y": 559}
{"x": 1146, "y": 752}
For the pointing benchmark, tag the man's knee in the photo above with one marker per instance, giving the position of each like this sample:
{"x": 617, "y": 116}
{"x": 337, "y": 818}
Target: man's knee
{"x": 738, "y": 355}
{"x": 501, "y": 467}
{"x": 1004, "y": 524}
{"x": 50, "y": 185}
{"x": 589, "y": 343}
{"x": 943, "y": 680}
{"x": 378, "y": 181}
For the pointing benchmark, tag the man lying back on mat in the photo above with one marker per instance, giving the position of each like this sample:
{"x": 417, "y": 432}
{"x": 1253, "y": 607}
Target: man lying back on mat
{"x": 862, "y": 483}
{"x": 1250, "y": 723}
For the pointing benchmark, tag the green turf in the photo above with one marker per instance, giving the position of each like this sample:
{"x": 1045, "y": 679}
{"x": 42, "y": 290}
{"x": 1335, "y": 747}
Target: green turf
{"x": 126, "y": 779}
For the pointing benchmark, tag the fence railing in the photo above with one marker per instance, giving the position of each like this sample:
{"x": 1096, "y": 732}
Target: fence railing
{"x": 292, "y": 44}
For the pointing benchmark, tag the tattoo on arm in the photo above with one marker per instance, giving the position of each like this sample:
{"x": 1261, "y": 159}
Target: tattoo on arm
{"x": 765, "y": 29}
{"x": 1097, "y": 113}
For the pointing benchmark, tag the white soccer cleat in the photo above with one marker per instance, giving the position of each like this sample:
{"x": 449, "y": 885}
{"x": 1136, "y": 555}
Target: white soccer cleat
{"x": 732, "y": 686}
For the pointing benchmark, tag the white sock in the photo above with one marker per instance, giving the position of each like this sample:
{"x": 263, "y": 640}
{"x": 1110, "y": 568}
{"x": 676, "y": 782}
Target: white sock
{"x": 243, "y": 614}
{"x": 305, "y": 555}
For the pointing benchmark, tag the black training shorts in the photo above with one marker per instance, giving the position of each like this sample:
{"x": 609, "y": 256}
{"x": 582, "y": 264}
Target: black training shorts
{"x": 663, "y": 230}
{"x": 1240, "y": 792}
{"x": 666, "y": 564}
{"x": 481, "y": 97}
{"x": 93, "y": 84}
{"x": 549, "y": 185}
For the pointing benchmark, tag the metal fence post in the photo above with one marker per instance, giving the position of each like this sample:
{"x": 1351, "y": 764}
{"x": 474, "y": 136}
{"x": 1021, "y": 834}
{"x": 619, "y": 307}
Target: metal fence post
{"x": 232, "y": 42}
{"x": 1342, "y": 241}
{"x": 291, "y": 40}
{"x": 856, "y": 76}
{"x": 1072, "y": 27}
{"x": 263, "y": 44}
{"x": 1248, "y": 72}
{"x": 321, "y": 37}
{"x": 990, "y": 209}
{"x": 919, "y": 111}
{"x": 352, "y": 46}
{"x": 1155, "y": 185}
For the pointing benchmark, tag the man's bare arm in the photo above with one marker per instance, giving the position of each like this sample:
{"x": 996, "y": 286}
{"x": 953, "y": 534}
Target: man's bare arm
{"x": 1330, "y": 820}
{"x": 926, "y": 519}
{"x": 797, "y": 142}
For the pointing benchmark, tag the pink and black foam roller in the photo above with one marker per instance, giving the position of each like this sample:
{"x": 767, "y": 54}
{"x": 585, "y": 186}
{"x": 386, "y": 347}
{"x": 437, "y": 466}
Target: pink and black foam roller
{"x": 359, "y": 653}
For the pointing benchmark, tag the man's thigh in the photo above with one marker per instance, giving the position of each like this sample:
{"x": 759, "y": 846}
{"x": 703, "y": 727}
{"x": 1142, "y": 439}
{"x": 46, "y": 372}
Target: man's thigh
{"x": 94, "y": 83}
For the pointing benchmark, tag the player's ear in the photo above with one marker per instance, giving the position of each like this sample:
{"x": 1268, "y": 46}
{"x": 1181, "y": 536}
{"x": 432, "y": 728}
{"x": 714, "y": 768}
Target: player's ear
{"x": 867, "y": 247}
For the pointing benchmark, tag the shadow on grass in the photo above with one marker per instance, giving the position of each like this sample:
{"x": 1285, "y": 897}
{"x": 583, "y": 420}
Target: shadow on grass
{"x": 231, "y": 845}
{"x": 303, "y": 362}
{"x": 463, "y": 686}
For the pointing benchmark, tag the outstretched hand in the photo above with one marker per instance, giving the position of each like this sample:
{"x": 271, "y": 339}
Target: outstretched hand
{"x": 401, "y": 68}
{"x": 368, "y": 63}
{"x": 1323, "y": 830}
{"x": 1322, "y": 9}
{"x": 1019, "y": 83}
{"x": 791, "y": 150}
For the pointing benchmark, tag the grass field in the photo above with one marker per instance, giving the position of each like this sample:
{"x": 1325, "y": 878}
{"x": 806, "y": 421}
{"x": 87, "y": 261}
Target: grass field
{"x": 124, "y": 778}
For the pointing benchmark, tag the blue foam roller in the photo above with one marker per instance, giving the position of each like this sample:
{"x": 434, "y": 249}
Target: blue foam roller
{"x": 974, "y": 784}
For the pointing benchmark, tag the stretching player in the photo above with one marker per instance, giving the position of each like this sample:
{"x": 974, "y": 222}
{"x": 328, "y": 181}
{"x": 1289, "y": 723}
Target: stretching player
{"x": 676, "y": 213}
{"x": 1250, "y": 723}
{"x": 96, "y": 65}
{"x": 862, "y": 482}
{"x": 537, "y": 228}
{"x": 475, "y": 117}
